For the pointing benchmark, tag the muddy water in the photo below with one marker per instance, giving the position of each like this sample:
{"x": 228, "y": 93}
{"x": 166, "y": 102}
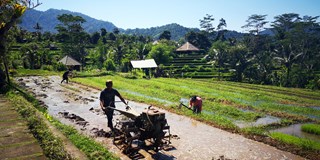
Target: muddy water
{"x": 295, "y": 130}
{"x": 194, "y": 140}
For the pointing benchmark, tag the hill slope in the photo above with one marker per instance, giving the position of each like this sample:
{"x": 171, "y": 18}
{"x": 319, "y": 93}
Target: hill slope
{"x": 48, "y": 21}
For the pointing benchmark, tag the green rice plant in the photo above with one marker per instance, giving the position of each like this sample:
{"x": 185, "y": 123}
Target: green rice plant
{"x": 300, "y": 142}
{"x": 219, "y": 120}
{"x": 220, "y": 99}
{"x": 158, "y": 92}
{"x": 311, "y": 128}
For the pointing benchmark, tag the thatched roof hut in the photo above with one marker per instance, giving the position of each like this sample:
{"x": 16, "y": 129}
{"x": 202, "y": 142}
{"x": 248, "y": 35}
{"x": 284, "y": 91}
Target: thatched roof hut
{"x": 69, "y": 61}
{"x": 187, "y": 47}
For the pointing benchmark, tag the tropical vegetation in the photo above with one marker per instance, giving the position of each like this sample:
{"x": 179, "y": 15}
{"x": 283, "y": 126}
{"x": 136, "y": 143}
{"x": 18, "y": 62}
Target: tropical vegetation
{"x": 228, "y": 71}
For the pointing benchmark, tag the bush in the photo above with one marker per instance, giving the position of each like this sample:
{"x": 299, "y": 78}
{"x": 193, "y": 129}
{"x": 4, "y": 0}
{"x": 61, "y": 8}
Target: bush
{"x": 47, "y": 67}
{"x": 60, "y": 67}
{"x": 185, "y": 68}
{"x": 201, "y": 69}
{"x": 109, "y": 65}
{"x": 13, "y": 72}
{"x": 314, "y": 84}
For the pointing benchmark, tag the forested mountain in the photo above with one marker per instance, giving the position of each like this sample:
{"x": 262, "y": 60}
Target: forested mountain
{"x": 177, "y": 31}
{"x": 48, "y": 20}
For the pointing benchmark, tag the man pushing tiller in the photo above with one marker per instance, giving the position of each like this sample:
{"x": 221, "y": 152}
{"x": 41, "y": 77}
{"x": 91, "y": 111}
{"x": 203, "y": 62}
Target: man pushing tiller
{"x": 107, "y": 99}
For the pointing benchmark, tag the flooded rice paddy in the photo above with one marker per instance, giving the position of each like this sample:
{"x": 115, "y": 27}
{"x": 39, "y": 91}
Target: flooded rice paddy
{"x": 295, "y": 130}
{"x": 78, "y": 106}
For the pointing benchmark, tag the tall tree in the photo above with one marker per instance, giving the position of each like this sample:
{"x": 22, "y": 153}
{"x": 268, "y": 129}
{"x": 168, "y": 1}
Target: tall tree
{"x": 221, "y": 31}
{"x": 218, "y": 51}
{"x": 11, "y": 11}
{"x": 206, "y": 23}
{"x": 162, "y": 53}
{"x": 199, "y": 39}
{"x": 240, "y": 59}
{"x": 73, "y": 36}
{"x": 165, "y": 35}
{"x": 255, "y": 23}
{"x": 257, "y": 48}
{"x": 294, "y": 41}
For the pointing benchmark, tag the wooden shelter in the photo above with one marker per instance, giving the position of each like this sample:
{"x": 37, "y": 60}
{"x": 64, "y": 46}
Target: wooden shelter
{"x": 70, "y": 62}
{"x": 187, "y": 47}
{"x": 146, "y": 65}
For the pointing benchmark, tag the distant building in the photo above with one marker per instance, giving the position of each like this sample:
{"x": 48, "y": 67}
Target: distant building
{"x": 187, "y": 47}
{"x": 70, "y": 62}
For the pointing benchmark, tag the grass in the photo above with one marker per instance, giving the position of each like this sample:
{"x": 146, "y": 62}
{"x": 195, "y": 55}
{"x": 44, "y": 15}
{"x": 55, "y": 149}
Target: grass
{"x": 311, "y": 128}
{"x": 52, "y": 146}
{"x": 300, "y": 142}
{"x": 87, "y": 145}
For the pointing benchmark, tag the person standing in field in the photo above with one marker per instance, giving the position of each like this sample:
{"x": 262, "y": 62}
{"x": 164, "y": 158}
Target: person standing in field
{"x": 196, "y": 104}
{"x": 65, "y": 76}
{"x": 107, "y": 99}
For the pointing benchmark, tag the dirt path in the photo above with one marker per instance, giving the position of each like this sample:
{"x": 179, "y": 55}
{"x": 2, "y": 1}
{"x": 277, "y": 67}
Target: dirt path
{"x": 194, "y": 140}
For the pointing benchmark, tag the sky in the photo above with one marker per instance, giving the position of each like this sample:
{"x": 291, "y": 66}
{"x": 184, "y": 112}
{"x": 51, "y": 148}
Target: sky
{"x": 131, "y": 14}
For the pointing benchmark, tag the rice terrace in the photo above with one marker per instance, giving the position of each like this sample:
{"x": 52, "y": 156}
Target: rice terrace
{"x": 227, "y": 87}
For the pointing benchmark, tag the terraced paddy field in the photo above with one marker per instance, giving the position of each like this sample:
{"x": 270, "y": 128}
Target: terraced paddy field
{"x": 269, "y": 114}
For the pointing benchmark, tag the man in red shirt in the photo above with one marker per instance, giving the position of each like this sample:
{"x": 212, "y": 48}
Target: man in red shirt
{"x": 196, "y": 104}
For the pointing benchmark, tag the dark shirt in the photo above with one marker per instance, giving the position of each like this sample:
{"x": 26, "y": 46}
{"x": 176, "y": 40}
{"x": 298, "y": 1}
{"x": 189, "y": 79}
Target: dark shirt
{"x": 108, "y": 97}
{"x": 65, "y": 74}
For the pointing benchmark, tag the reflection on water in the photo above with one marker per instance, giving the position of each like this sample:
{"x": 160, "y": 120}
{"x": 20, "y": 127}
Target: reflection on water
{"x": 295, "y": 130}
{"x": 184, "y": 101}
{"x": 315, "y": 107}
{"x": 259, "y": 122}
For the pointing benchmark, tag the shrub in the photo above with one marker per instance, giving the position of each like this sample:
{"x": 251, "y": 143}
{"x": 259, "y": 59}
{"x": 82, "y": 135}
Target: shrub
{"x": 185, "y": 68}
{"x": 109, "y": 65}
{"x": 47, "y": 67}
{"x": 200, "y": 68}
{"x": 60, "y": 67}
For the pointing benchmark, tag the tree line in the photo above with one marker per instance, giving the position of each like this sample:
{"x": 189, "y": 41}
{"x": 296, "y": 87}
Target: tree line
{"x": 289, "y": 57}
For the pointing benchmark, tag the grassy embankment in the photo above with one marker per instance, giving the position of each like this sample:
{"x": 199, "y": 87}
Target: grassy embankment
{"x": 51, "y": 145}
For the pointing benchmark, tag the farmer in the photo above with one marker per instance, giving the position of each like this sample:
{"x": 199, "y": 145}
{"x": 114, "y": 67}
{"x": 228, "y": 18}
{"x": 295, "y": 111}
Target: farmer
{"x": 196, "y": 104}
{"x": 107, "y": 97}
{"x": 66, "y": 75}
